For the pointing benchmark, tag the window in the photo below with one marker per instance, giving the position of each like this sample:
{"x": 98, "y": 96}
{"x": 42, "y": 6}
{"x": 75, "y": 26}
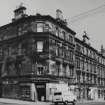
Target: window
{"x": 60, "y": 52}
{"x": 33, "y": 26}
{"x": 82, "y": 50}
{"x": 78, "y": 47}
{"x": 19, "y": 31}
{"x": 39, "y": 46}
{"x": 1, "y": 52}
{"x": 56, "y": 31}
{"x": 63, "y": 34}
{"x": 40, "y": 70}
{"x": 87, "y": 51}
{"x": 78, "y": 62}
{"x": 6, "y": 51}
{"x": 90, "y": 53}
{"x": 67, "y": 54}
{"x": 57, "y": 93}
{"x": 46, "y": 27}
{"x": 67, "y": 36}
{"x": 70, "y": 39}
{"x": 82, "y": 63}
{"x": 71, "y": 55}
{"x": 39, "y": 27}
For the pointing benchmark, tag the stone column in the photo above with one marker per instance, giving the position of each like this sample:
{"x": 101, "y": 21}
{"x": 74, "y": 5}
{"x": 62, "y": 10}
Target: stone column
{"x": 34, "y": 96}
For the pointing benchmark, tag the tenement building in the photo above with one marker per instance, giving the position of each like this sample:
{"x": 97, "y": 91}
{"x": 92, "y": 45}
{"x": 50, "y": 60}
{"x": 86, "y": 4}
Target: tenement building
{"x": 90, "y": 70}
{"x": 40, "y": 54}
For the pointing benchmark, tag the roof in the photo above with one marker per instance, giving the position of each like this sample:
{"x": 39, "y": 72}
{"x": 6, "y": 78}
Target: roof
{"x": 85, "y": 44}
{"x": 40, "y": 17}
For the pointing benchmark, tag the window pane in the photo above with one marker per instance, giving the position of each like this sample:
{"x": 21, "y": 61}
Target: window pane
{"x": 39, "y": 46}
{"x": 40, "y": 27}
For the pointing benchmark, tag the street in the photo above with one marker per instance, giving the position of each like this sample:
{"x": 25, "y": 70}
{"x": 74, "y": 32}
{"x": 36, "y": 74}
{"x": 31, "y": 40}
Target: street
{"x": 90, "y": 103}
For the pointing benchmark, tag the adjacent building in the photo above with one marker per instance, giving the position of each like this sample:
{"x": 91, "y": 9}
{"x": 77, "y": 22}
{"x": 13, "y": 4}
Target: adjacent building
{"x": 39, "y": 54}
{"x": 90, "y": 71}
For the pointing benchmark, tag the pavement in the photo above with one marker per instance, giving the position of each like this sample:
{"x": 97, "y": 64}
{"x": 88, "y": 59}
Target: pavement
{"x": 20, "y": 102}
{"x": 91, "y": 101}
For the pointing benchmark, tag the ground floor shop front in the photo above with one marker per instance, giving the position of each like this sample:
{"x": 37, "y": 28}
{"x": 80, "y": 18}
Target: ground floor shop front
{"x": 90, "y": 93}
{"x": 31, "y": 91}
{"x": 44, "y": 91}
{"x": 24, "y": 91}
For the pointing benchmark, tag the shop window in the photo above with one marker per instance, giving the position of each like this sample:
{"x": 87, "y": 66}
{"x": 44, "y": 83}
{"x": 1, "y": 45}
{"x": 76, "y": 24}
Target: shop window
{"x": 25, "y": 92}
{"x": 39, "y": 27}
{"x": 10, "y": 91}
{"x": 39, "y": 46}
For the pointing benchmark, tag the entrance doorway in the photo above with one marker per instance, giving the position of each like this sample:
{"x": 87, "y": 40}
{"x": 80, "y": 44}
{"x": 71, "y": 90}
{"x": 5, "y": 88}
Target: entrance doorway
{"x": 41, "y": 92}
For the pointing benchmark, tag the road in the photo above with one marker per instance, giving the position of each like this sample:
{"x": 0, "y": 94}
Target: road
{"x": 90, "y": 103}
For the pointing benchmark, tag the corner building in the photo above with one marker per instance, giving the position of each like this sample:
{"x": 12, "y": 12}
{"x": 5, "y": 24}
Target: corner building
{"x": 39, "y": 54}
{"x": 36, "y": 56}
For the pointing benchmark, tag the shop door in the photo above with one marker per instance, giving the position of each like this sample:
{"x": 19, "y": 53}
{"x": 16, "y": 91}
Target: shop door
{"x": 41, "y": 92}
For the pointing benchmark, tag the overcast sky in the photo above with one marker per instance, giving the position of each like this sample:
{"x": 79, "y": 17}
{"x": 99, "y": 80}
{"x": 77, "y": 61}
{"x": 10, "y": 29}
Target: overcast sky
{"x": 94, "y": 24}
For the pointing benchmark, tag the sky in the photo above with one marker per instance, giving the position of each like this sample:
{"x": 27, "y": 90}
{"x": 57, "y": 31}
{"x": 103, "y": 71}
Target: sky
{"x": 93, "y": 23}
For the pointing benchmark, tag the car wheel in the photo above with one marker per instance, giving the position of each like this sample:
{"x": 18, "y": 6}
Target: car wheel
{"x": 73, "y": 103}
{"x": 56, "y": 103}
{"x": 65, "y": 103}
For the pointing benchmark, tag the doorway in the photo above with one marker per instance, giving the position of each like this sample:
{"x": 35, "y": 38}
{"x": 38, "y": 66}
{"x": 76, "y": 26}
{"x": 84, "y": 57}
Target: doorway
{"x": 41, "y": 92}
